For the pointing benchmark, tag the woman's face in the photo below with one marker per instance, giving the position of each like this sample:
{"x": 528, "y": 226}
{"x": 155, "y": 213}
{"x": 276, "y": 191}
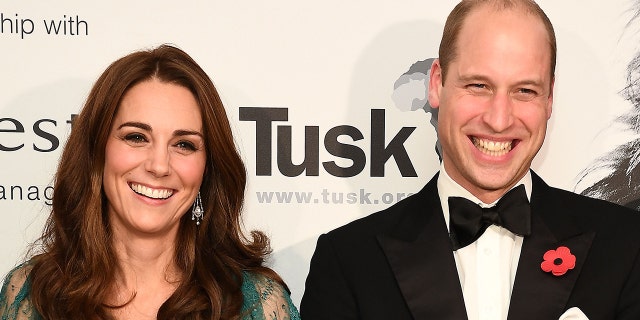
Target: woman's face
{"x": 154, "y": 158}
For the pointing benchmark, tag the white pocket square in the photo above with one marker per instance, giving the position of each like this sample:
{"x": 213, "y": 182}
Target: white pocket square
{"x": 573, "y": 314}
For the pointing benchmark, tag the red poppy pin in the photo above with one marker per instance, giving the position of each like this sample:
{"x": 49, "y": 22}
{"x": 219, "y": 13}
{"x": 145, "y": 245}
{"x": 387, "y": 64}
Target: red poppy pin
{"x": 558, "y": 261}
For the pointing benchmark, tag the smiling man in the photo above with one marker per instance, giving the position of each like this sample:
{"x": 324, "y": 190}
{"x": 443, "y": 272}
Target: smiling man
{"x": 486, "y": 238}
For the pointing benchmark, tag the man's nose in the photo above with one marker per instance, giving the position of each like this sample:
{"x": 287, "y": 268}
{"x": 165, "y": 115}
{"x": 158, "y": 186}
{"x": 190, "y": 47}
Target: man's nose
{"x": 499, "y": 114}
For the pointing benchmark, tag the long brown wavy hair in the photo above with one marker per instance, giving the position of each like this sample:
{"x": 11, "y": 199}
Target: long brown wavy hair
{"x": 75, "y": 269}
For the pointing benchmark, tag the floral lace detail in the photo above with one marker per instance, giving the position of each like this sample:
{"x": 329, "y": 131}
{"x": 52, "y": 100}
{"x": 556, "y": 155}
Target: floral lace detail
{"x": 264, "y": 299}
{"x": 15, "y": 303}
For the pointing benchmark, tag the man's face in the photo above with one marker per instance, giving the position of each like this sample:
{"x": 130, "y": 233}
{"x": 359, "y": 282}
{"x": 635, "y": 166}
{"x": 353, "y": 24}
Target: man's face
{"x": 495, "y": 101}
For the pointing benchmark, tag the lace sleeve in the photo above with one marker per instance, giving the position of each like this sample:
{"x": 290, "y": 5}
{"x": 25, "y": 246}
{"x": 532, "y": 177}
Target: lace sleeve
{"x": 265, "y": 299}
{"x": 15, "y": 303}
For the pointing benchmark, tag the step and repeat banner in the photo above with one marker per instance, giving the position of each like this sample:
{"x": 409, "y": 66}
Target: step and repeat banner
{"x": 327, "y": 101}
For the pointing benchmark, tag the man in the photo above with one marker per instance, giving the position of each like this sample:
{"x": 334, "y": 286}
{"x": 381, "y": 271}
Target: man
{"x": 435, "y": 255}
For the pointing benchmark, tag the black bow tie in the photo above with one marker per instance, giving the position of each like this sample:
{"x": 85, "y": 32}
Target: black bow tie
{"x": 468, "y": 220}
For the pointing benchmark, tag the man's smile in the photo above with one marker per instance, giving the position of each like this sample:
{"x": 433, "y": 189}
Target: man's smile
{"x": 493, "y": 148}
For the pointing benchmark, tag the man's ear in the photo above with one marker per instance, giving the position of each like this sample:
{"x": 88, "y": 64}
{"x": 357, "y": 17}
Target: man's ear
{"x": 550, "y": 99}
{"x": 435, "y": 83}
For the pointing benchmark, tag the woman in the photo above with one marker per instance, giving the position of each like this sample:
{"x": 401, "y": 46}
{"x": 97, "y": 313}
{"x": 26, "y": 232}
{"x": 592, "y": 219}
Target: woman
{"x": 145, "y": 221}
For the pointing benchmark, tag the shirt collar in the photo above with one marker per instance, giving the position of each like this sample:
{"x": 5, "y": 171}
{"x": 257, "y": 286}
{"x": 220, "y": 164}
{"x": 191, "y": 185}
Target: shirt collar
{"x": 449, "y": 188}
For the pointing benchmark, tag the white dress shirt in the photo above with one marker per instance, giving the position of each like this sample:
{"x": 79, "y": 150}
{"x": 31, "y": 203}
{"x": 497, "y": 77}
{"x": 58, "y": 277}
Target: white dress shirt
{"x": 487, "y": 267}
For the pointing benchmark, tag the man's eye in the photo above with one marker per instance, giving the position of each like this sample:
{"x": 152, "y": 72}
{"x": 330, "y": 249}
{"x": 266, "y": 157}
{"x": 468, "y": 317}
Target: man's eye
{"x": 527, "y": 91}
{"x": 477, "y": 86}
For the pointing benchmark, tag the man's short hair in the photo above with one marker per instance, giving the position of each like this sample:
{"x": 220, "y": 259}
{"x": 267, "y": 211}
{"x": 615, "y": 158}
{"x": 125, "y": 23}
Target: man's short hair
{"x": 448, "y": 46}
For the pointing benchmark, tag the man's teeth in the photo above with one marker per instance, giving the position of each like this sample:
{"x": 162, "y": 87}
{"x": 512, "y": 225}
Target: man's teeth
{"x": 151, "y": 193}
{"x": 492, "y": 148}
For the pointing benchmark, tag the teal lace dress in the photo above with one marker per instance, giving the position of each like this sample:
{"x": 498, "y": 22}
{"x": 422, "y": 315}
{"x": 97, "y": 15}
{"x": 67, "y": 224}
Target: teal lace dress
{"x": 264, "y": 299}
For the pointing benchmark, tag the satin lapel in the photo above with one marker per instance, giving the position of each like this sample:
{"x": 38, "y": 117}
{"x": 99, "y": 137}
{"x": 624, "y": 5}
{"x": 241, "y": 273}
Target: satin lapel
{"x": 538, "y": 294}
{"x": 420, "y": 255}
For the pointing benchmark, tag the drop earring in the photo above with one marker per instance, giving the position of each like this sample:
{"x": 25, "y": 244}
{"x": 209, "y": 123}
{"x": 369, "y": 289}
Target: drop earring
{"x": 197, "y": 211}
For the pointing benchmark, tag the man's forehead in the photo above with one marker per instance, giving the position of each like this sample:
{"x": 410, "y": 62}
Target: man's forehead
{"x": 493, "y": 18}
{"x": 491, "y": 38}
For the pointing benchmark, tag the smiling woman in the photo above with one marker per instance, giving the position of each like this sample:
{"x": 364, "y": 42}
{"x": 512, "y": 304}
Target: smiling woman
{"x": 151, "y": 152}
{"x": 154, "y": 159}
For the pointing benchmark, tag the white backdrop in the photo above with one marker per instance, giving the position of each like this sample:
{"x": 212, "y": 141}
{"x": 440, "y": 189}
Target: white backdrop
{"x": 327, "y": 63}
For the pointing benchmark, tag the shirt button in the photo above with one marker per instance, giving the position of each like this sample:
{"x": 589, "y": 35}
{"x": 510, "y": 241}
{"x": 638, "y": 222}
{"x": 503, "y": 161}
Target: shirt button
{"x": 488, "y": 251}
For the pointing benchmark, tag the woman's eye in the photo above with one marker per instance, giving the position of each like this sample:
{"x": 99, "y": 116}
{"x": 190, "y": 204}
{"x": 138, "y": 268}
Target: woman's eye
{"x": 135, "y": 138}
{"x": 186, "y": 145}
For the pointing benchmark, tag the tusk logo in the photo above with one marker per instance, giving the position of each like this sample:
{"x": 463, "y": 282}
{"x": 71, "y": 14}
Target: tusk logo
{"x": 380, "y": 153}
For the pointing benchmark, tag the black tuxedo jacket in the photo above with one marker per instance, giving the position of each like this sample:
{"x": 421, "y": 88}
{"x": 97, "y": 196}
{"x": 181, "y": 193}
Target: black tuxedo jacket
{"x": 398, "y": 263}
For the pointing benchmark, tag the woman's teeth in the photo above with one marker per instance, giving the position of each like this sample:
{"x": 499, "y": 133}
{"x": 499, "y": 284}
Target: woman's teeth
{"x": 151, "y": 193}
